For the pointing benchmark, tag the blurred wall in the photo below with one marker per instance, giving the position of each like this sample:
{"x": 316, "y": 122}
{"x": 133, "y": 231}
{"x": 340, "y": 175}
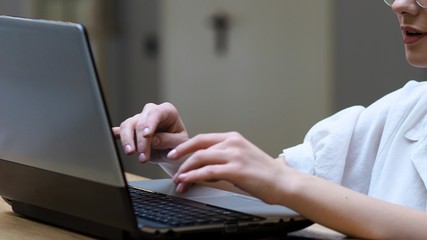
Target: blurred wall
{"x": 271, "y": 83}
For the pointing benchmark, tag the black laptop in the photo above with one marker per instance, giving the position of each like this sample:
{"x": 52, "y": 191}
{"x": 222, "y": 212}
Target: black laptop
{"x": 59, "y": 162}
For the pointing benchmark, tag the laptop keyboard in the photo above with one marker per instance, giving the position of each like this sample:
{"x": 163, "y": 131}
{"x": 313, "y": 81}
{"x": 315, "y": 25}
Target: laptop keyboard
{"x": 182, "y": 212}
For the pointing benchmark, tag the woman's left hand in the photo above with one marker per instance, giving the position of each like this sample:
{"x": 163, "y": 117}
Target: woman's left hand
{"x": 229, "y": 157}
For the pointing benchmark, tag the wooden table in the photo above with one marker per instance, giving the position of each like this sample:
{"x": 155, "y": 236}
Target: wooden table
{"x": 15, "y": 227}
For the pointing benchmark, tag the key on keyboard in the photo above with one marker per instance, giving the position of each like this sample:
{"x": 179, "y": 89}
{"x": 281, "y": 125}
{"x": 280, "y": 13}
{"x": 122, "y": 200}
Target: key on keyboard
{"x": 182, "y": 212}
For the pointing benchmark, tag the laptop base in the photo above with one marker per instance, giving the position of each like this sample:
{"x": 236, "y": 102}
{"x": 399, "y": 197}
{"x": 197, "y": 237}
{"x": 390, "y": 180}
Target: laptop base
{"x": 73, "y": 199}
{"x": 68, "y": 222}
{"x": 97, "y": 230}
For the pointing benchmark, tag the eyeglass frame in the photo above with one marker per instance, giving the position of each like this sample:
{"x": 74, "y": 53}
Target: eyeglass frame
{"x": 419, "y": 4}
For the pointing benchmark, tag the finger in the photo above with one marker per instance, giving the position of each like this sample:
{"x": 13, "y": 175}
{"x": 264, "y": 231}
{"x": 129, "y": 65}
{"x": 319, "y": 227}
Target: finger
{"x": 159, "y": 118}
{"x": 153, "y": 119}
{"x": 128, "y": 138}
{"x": 116, "y": 132}
{"x": 201, "y": 159}
{"x": 183, "y": 187}
{"x": 169, "y": 119}
{"x": 143, "y": 139}
{"x": 145, "y": 127}
{"x": 201, "y": 141}
{"x": 206, "y": 173}
{"x": 127, "y": 135}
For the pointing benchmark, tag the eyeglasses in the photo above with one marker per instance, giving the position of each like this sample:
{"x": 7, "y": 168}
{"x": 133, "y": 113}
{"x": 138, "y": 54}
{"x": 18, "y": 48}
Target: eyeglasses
{"x": 421, "y": 3}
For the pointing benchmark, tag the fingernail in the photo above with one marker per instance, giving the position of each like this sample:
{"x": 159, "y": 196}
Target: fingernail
{"x": 142, "y": 157}
{"x": 146, "y": 131}
{"x": 180, "y": 188}
{"x": 176, "y": 177}
{"x": 182, "y": 176}
{"x": 172, "y": 154}
{"x": 155, "y": 141}
{"x": 128, "y": 148}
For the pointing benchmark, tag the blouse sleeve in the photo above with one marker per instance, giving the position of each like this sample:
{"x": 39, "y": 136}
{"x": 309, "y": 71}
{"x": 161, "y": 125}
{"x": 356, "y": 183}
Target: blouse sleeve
{"x": 325, "y": 148}
{"x": 343, "y": 148}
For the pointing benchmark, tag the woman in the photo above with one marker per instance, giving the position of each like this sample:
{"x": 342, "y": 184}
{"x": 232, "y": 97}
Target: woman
{"x": 362, "y": 171}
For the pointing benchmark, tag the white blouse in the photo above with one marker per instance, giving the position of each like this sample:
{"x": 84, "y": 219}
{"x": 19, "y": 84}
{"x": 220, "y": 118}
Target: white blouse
{"x": 380, "y": 150}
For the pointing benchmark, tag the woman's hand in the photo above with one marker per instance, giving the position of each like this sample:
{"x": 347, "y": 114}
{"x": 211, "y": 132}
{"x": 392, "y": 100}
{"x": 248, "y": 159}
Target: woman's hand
{"x": 157, "y": 127}
{"x": 229, "y": 157}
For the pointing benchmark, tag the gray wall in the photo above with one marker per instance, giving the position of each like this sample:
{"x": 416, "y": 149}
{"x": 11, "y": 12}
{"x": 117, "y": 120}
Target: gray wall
{"x": 369, "y": 53}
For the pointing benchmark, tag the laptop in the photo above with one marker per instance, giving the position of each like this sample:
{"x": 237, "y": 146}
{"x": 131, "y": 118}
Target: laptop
{"x": 59, "y": 161}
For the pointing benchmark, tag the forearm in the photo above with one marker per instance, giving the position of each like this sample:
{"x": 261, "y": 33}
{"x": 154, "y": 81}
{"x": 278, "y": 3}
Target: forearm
{"x": 350, "y": 212}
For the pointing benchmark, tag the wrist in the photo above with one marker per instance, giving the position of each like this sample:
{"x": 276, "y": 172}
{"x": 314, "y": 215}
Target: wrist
{"x": 288, "y": 185}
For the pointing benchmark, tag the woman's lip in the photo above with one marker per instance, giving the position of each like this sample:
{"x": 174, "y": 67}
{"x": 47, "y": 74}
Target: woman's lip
{"x": 409, "y": 38}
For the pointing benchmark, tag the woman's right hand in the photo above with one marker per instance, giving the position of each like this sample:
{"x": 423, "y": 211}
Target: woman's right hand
{"x": 156, "y": 128}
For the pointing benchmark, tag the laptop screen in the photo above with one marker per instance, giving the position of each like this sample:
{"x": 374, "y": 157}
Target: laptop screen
{"x": 52, "y": 113}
